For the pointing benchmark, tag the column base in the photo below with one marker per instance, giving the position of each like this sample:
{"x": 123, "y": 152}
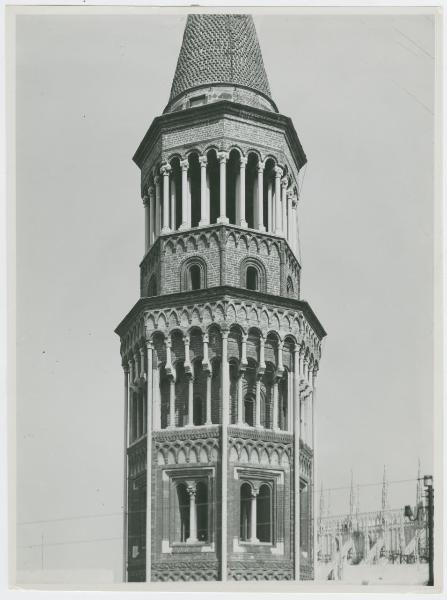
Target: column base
{"x": 261, "y": 228}
{"x": 243, "y": 223}
{"x": 203, "y": 223}
{"x": 183, "y": 226}
{"x": 166, "y": 230}
{"x": 223, "y": 220}
{"x": 278, "y": 232}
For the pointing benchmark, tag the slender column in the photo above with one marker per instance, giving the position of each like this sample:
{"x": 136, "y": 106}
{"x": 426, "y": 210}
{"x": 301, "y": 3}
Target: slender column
{"x": 260, "y": 223}
{"x": 253, "y": 516}
{"x": 186, "y": 209}
{"x": 271, "y": 212}
{"x": 290, "y": 222}
{"x": 147, "y": 220}
{"x": 225, "y": 390}
{"x": 192, "y": 513}
{"x": 296, "y": 460}
{"x": 172, "y": 403}
{"x": 151, "y": 192}
{"x": 173, "y": 205}
{"x": 284, "y": 205}
{"x": 149, "y": 460}
{"x": 262, "y": 352}
{"x": 157, "y": 204}
{"x": 208, "y": 399}
{"x": 156, "y": 404}
{"x": 190, "y": 400}
{"x": 223, "y": 157}
{"x": 205, "y": 359}
{"x": 258, "y": 402}
{"x": 125, "y": 444}
{"x": 239, "y": 399}
{"x": 275, "y": 405}
{"x": 187, "y": 364}
{"x": 204, "y": 201}
{"x": 244, "y": 350}
{"x": 278, "y": 222}
{"x": 165, "y": 170}
{"x": 280, "y": 357}
{"x": 243, "y": 164}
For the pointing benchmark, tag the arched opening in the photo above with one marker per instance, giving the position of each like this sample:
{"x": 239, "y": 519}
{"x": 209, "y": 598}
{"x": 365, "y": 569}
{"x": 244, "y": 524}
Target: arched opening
{"x": 264, "y": 514}
{"x": 283, "y": 401}
{"x": 175, "y": 202}
{"x": 183, "y": 512}
{"x": 232, "y": 186}
{"x": 164, "y": 397}
{"x": 213, "y": 185}
{"x": 249, "y": 410}
{"x": 245, "y": 512}
{"x": 251, "y": 189}
{"x": 194, "y": 188}
{"x": 194, "y": 277}
{"x": 252, "y": 278}
{"x": 202, "y": 511}
{"x": 269, "y": 191}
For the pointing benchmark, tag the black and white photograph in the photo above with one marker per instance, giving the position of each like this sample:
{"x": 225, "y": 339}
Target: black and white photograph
{"x": 224, "y": 298}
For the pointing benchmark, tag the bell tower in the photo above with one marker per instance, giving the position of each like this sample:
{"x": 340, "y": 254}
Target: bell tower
{"x": 220, "y": 353}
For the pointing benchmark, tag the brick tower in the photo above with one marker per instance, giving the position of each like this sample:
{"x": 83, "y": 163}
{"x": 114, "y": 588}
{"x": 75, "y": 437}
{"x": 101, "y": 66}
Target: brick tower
{"x": 219, "y": 353}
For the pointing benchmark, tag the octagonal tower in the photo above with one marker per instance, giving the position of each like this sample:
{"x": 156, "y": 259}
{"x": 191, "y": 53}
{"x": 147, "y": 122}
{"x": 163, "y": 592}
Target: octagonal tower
{"x": 220, "y": 354}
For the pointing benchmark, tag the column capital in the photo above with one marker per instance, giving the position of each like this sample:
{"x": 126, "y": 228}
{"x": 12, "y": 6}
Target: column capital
{"x": 149, "y": 345}
{"x": 203, "y": 161}
{"x": 125, "y": 367}
{"x": 243, "y": 161}
{"x": 284, "y": 182}
{"x": 224, "y": 333}
{"x": 165, "y": 169}
{"x": 290, "y": 195}
{"x": 223, "y": 156}
{"x": 191, "y": 488}
{"x": 184, "y": 164}
{"x": 157, "y": 179}
{"x": 261, "y": 166}
{"x": 145, "y": 199}
{"x": 278, "y": 172}
{"x": 205, "y": 337}
{"x": 254, "y": 491}
{"x": 151, "y": 191}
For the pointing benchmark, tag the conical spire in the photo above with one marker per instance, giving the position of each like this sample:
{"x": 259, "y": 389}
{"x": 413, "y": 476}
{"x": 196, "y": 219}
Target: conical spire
{"x": 220, "y": 49}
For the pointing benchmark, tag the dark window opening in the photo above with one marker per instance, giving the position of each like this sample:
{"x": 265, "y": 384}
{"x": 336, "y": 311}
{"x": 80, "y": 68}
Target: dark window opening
{"x": 202, "y": 511}
{"x": 264, "y": 514}
{"x": 197, "y": 100}
{"x": 198, "y": 417}
{"x": 195, "y": 277}
{"x": 252, "y": 280}
{"x": 245, "y": 509}
{"x": 183, "y": 504}
{"x": 249, "y": 410}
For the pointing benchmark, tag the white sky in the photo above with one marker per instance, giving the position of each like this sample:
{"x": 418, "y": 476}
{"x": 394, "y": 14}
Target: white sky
{"x": 360, "y": 93}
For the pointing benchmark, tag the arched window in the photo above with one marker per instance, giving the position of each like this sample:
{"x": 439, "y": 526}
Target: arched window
{"x": 198, "y": 411}
{"x": 194, "y": 277}
{"x": 289, "y": 286}
{"x": 245, "y": 511}
{"x": 193, "y": 274}
{"x": 252, "y": 274}
{"x": 264, "y": 514}
{"x": 249, "y": 410}
{"x": 202, "y": 511}
{"x": 252, "y": 279}
{"x": 183, "y": 507}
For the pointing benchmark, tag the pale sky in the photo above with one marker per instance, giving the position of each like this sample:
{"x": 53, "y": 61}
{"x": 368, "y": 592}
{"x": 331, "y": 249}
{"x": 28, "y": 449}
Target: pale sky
{"x": 360, "y": 93}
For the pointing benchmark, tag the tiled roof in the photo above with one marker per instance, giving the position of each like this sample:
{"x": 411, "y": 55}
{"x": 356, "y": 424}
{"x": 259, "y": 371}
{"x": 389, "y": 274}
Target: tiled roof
{"x": 219, "y": 48}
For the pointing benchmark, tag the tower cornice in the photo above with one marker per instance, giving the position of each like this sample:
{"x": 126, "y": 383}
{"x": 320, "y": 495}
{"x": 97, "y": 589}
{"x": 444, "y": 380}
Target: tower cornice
{"x": 215, "y": 110}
